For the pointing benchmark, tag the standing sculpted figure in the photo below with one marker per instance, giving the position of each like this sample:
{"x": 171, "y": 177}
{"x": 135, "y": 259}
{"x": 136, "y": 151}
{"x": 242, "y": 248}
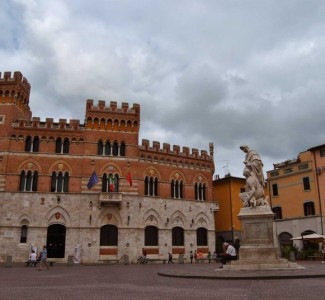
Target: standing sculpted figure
{"x": 254, "y": 163}
{"x": 253, "y": 172}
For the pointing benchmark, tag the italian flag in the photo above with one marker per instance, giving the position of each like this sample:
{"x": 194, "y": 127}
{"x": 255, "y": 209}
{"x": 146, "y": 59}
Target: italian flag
{"x": 111, "y": 183}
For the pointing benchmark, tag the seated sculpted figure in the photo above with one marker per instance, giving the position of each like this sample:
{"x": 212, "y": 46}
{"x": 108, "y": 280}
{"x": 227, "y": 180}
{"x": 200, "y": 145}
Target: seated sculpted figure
{"x": 254, "y": 192}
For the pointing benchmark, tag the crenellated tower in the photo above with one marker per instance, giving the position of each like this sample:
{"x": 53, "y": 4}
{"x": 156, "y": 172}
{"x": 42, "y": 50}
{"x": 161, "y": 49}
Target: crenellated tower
{"x": 14, "y": 96}
{"x": 111, "y": 118}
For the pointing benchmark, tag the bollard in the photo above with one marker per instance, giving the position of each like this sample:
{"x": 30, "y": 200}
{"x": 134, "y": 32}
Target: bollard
{"x": 70, "y": 260}
{"x": 8, "y": 261}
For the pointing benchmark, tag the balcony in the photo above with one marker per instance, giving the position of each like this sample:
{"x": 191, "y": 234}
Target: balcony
{"x": 110, "y": 199}
{"x": 215, "y": 206}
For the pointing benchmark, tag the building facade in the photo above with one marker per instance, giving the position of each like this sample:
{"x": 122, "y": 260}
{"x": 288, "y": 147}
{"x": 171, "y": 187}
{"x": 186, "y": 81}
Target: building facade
{"x": 294, "y": 197}
{"x": 226, "y": 192}
{"x": 91, "y": 191}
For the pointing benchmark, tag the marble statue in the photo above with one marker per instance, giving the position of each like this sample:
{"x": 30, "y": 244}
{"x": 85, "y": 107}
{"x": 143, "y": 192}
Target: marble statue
{"x": 254, "y": 163}
{"x": 253, "y": 172}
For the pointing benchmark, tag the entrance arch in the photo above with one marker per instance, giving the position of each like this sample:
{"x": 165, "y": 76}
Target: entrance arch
{"x": 56, "y": 241}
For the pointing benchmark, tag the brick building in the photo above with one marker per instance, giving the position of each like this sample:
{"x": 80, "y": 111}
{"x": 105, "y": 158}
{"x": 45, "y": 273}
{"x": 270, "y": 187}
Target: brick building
{"x": 152, "y": 197}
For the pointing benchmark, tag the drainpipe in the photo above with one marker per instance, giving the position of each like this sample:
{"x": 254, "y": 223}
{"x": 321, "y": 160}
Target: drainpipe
{"x": 231, "y": 212}
{"x": 269, "y": 188}
{"x": 319, "y": 198}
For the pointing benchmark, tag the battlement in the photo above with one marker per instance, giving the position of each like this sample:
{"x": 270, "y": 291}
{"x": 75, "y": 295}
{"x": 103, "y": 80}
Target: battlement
{"x": 16, "y": 80}
{"x": 112, "y": 108}
{"x": 195, "y": 153}
{"x": 48, "y": 124}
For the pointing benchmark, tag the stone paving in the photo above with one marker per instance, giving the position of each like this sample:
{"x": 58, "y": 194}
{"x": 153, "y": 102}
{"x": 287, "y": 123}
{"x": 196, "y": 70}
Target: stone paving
{"x": 312, "y": 269}
{"x": 137, "y": 281}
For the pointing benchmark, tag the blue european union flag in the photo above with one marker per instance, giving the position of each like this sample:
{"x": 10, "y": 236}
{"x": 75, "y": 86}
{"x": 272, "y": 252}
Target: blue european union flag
{"x": 92, "y": 180}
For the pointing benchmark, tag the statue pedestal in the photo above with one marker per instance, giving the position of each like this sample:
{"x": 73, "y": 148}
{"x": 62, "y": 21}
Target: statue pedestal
{"x": 258, "y": 250}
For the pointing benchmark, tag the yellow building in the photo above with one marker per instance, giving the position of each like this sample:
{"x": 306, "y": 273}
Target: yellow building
{"x": 318, "y": 153}
{"x": 226, "y": 192}
{"x": 294, "y": 197}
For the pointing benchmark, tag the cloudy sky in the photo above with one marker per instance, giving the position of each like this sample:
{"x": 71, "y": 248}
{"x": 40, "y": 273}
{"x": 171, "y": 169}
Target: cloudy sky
{"x": 230, "y": 72}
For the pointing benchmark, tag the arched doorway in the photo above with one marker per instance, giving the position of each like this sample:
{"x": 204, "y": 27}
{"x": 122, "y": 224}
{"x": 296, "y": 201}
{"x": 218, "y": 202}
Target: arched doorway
{"x": 56, "y": 241}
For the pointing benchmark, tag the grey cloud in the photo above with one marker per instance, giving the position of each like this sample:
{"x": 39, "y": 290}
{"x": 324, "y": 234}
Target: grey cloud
{"x": 229, "y": 72}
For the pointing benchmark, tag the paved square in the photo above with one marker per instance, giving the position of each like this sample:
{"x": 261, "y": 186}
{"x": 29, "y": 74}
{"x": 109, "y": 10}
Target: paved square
{"x": 142, "y": 282}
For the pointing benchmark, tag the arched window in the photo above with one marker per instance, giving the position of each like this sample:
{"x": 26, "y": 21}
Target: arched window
{"x": 176, "y": 189}
{"x": 110, "y": 183}
{"x": 66, "y": 182}
{"x": 23, "y": 234}
{"x": 202, "y": 236}
{"x": 100, "y": 148}
{"x": 28, "y": 181}
{"x": 200, "y": 191}
{"x": 62, "y": 147}
{"x": 177, "y": 236}
{"x": 122, "y": 149}
{"x": 66, "y": 145}
{"x": 115, "y": 149}
{"x": 151, "y": 236}
{"x": 108, "y": 148}
{"x": 36, "y": 144}
{"x": 108, "y": 235}
{"x": 285, "y": 238}
{"x": 58, "y": 145}
{"x": 60, "y": 182}
{"x": 151, "y": 186}
{"x": 22, "y": 181}
{"x": 35, "y": 181}
{"x": 28, "y": 144}
{"x": 32, "y": 145}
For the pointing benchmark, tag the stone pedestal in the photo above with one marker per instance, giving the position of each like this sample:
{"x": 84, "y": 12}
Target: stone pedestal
{"x": 258, "y": 250}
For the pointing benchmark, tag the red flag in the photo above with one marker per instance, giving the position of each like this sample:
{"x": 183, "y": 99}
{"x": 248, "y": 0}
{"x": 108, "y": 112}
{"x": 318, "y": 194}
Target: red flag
{"x": 129, "y": 178}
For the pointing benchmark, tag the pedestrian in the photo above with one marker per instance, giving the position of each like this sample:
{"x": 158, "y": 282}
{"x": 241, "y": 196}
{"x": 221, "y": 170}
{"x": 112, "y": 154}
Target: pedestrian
{"x": 32, "y": 259}
{"x": 323, "y": 252}
{"x": 43, "y": 262}
{"x": 170, "y": 258}
{"x": 209, "y": 256}
{"x": 191, "y": 256}
{"x": 143, "y": 258}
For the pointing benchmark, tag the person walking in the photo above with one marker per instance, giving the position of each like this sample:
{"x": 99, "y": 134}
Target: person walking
{"x": 170, "y": 258}
{"x": 32, "y": 259}
{"x": 43, "y": 262}
{"x": 323, "y": 252}
{"x": 191, "y": 256}
{"x": 209, "y": 256}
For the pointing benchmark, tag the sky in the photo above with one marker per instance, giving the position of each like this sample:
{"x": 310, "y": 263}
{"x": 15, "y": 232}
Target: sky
{"x": 230, "y": 72}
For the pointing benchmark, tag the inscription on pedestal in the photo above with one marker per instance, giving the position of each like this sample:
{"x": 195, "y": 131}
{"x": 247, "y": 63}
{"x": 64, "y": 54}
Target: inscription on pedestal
{"x": 256, "y": 231}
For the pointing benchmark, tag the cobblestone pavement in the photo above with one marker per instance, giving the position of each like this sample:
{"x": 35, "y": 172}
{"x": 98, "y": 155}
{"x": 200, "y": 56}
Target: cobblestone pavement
{"x": 114, "y": 281}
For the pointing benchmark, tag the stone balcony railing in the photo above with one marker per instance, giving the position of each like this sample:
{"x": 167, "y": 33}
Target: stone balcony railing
{"x": 110, "y": 199}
